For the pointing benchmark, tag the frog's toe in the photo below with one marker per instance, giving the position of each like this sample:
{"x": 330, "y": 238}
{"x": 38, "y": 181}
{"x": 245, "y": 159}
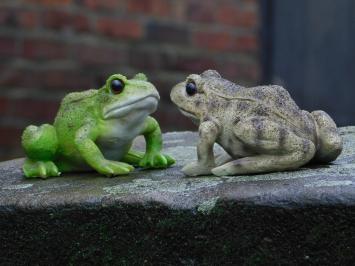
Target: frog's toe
{"x": 220, "y": 171}
{"x": 170, "y": 160}
{"x": 115, "y": 168}
{"x": 146, "y": 162}
{"x": 156, "y": 161}
{"x": 159, "y": 161}
{"x": 42, "y": 169}
{"x": 51, "y": 169}
{"x": 196, "y": 169}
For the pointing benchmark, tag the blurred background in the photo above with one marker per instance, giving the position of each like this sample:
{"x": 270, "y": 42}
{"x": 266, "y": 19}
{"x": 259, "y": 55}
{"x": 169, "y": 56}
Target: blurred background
{"x": 51, "y": 47}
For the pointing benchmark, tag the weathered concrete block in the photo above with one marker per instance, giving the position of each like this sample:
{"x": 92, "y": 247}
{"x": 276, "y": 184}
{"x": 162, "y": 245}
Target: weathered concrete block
{"x": 163, "y": 218}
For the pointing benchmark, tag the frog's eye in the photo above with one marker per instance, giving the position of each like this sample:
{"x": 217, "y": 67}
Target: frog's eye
{"x": 117, "y": 86}
{"x": 191, "y": 88}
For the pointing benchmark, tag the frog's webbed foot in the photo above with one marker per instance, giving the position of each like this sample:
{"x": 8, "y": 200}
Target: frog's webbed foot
{"x": 42, "y": 169}
{"x": 196, "y": 169}
{"x": 113, "y": 168}
{"x": 156, "y": 160}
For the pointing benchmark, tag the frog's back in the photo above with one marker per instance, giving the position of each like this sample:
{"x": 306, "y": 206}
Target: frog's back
{"x": 75, "y": 109}
{"x": 275, "y": 102}
{"x": 78, "y": 96}
{"x": 276, "y": 97}
{"x": 272, "y": 101}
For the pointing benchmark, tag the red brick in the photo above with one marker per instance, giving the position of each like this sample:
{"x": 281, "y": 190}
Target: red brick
{"x": 9, "y": 153}
{"x": 194, "y": 64}
{"x": 47, "y": 80}
{"x": 81, "y": 23}
{"x": 168, "y": 113}
{"x": 50, "y": 2}
{"x": 145, "y": 59}
{"x": 28, "y": 19}
{"x": 152, "y": 7}
{"x": 7, "y": 16}
{"x": 44, "y": 49}
{"x": 66, "y": 80}
{"x": 98, "y": 55}
{"x": 18, "y": 108}
{"x": 119, "y": 28}
{"x": 36, "y": 107}
{"x": 10, "y": 136}
{"x": 14, "y": 17}
{"x": 223, "y": 41}
{"x": 167, "y": 32}
{"x": 249, "y": 2}
{"x": 57, "y": 19}
{"x": 163, "y": 86}
{"x": 204, "y": 13}
{"x": 7, "y": 47}
{"x": 233, "y": 16}
{"x": 4, "y": 105}
{"x": 251, "y": 72}
{"x": 20, "y": 78}
{"x": 220, "y": 41}
{"x": 60, "y": 19}
{"x": 102, "y": 4}
{"x": 236, "y": 72}
{"x": 246, "y": 43}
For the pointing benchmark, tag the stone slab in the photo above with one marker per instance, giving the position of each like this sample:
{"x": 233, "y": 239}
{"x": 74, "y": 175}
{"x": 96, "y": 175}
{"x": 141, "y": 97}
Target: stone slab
{"x": 160, "y": 217}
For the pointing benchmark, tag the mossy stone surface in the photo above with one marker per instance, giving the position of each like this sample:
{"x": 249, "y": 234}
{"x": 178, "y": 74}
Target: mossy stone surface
{"x": 160, "y": 217}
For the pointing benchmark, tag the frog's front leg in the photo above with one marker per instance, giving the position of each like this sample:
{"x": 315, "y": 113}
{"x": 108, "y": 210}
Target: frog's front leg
{"x": 208, "y": 133}
{"x": 84, "y": 141}
{"x": 153, "y": 158}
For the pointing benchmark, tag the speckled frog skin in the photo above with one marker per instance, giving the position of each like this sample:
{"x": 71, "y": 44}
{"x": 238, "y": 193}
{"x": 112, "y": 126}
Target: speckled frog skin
{"x": 260, "y": 128}
{"x": 94, "y": 129}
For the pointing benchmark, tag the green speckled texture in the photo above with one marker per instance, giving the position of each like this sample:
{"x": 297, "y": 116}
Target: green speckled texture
{"x": 94, "y": 129}
{"x": 160, "y": 217}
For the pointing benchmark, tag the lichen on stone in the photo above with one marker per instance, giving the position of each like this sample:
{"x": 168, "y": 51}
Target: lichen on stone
{"x": 180, "y": 186}
{"x": 207, "y": 206}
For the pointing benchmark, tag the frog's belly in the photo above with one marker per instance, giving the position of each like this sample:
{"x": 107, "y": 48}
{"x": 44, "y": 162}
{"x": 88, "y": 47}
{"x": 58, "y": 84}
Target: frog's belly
{"x": 117, "y": 137}
{"x": 114, "y": 149}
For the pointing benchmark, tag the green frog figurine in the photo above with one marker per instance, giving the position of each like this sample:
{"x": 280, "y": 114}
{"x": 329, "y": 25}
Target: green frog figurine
{"x": 94, "y": 129}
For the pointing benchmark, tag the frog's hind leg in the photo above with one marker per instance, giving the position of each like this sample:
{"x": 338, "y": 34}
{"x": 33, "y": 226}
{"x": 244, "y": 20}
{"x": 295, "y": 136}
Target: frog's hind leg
{"x": 329, "y": 141}
{"x": 40, "y": 145}
{"x": 133, "y": 157}
{"x": 276, "y": 149}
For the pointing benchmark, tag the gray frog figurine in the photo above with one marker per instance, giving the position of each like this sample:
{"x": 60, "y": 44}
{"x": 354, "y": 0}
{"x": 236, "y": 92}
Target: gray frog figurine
{"x": 260, "y": 128}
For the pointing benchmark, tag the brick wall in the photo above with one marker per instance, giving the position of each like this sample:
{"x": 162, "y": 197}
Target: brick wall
{"x": 51, "y": 47}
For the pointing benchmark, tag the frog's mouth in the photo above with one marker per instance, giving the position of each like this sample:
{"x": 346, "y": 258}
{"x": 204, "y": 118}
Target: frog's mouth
{"x": 185, "y": 112}
{"x": 188, "y": 114}
{"x": 147, "y": 104}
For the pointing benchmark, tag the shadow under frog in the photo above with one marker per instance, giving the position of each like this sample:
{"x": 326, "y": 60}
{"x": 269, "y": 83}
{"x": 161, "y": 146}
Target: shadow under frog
{"x": 261, "y": 129}
{"x": 94, "y": 129}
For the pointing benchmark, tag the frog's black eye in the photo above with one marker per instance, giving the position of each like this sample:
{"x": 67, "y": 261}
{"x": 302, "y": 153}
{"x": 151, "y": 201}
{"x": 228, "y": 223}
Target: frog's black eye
{"x": 191, "y": 88}
{"x": 117, "y": 86}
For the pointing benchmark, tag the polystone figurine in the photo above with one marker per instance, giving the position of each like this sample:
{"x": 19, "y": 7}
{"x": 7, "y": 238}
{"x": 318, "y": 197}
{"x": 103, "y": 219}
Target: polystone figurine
{"x": 94, "y": 129}
{"x": 260, "y": 128}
